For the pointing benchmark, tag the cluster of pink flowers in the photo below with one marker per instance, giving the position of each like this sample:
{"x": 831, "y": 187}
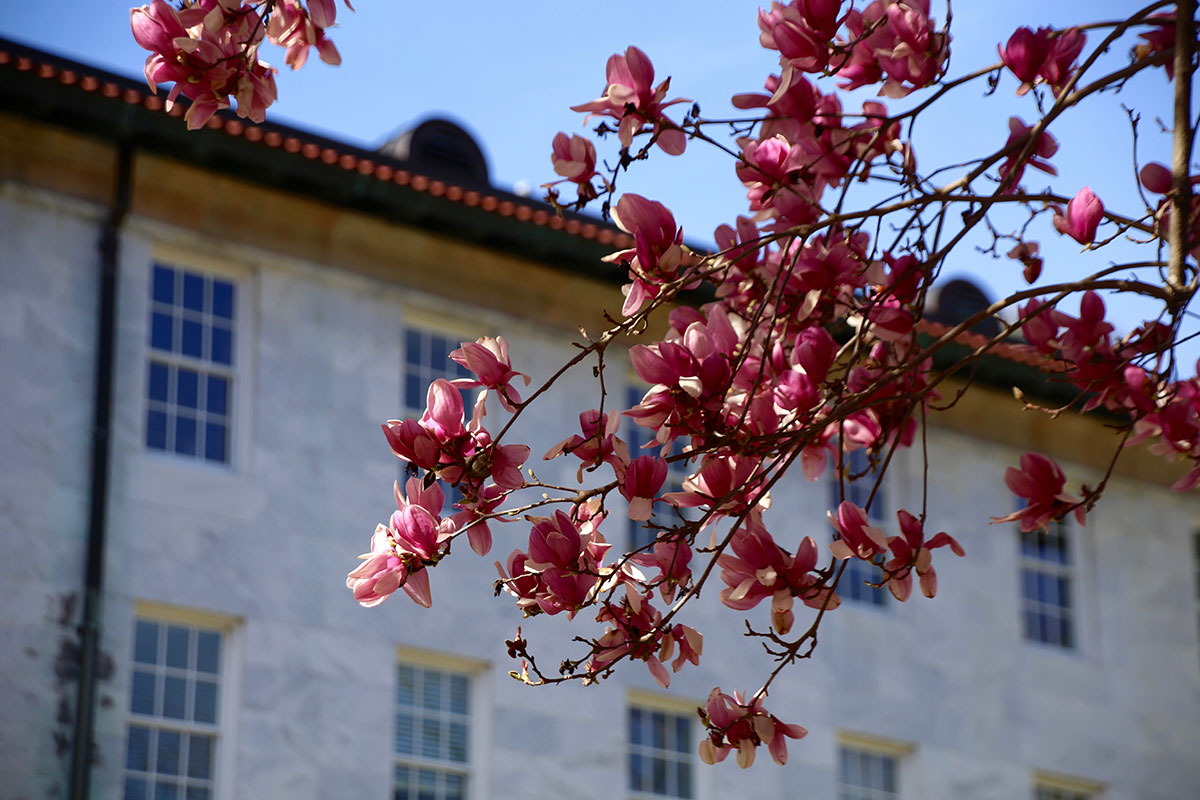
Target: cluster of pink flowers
{"x": 1045, "y": 55}
{"x": 734, "y": 724}
{"x": 893, "y": 42}
{"x": 810, "y": 347}
{"x": 209, "y": 49}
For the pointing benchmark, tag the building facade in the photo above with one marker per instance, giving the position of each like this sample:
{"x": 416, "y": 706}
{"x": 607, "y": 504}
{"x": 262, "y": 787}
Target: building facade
{"x": 275, "y": 296}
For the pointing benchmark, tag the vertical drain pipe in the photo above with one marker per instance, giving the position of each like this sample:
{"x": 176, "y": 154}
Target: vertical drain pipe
{"x": 93, "y": 594}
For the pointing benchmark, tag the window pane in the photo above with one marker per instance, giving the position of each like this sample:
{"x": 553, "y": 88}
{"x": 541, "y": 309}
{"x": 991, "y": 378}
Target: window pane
{"x": 137, "y": 754}
{"x": 156, "y": 430}
{"x": 191, "y": 339}
{"x": 177, "y": 647}
{"x": 163, "y": 290}
{"x": 205, "y": 708}
{"x": 218, "y": 395}
{"x": 222, "y": 345}
{"x": 456, "y": 787}
{"x": 197, "y": 793}
{"x": 142, "y": 693}
{"x": 174, "y": 697}
{"x": 136, "y": 789}
{"x": 168, "y": 753}
{"x": 458, "y": 694}
{"x": 185, "y": 435}
{"x": 412, "y": 346}
{"x": 431, "y": 695}
{"x": 431, "y": 738}
{"x": 215, "y": 442}
{"x": 193, "y": 291}
{"x": 160, "y": 331}
{"x": 200, "y": 757}
{"x": 166, "y": 791}
{"x": 222, "y": 303}
{"x": 414, "y": 391}
{"x": 208, "y": 651}
{"x": 187, "y": 388}
{"x": 683, "y": 779}
{"x": 426, "y": 785}
{"x": 145, "y": 642}
{"x": 458, "y": 742}
{"x": 683, "y": 734}
{"x": 405, "y": 727}
{"x": 157, "y": 389}
{"x": 406, "y": 686}
{"x": 659, "y": 773}
{"x": 638, "y": 774}
{"x": 658, "y": 725}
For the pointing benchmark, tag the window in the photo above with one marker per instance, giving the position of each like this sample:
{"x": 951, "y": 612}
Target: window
{"x": 677, "y": 471}
{"x": 189, "y": 386}
{"x": 432, "y": 744}
{"x": 174, "y": 719}
{"x": 427, "y": 358}
{"x": 859, "y": 575}
{"x": 660, "y": 753}
{"x": 867, "y": 774}
{"x": 1046, "y": 578}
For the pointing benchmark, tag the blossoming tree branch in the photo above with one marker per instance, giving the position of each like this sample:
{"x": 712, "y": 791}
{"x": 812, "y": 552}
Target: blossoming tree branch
{"x": 814, "y": 344}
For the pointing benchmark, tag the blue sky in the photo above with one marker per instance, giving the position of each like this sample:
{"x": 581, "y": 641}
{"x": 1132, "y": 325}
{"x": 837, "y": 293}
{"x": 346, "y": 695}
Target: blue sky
{"x": 508, "y": 72}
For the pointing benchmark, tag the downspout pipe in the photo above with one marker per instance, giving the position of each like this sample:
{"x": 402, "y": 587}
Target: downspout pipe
{"x": 93, "y": 586}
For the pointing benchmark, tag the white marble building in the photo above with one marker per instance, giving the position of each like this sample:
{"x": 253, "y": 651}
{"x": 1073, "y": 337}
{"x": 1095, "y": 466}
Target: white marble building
{"x": 254, "y": 357}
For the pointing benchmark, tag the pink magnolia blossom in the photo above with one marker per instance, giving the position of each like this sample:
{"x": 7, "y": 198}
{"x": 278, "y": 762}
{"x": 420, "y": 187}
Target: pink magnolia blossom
{"x": 488, "y": 359}
{"x": 474, "y": 518}
{"x": 1156, "y": 178}
{"x": 1027, "y": 254}
{"x": 631, "y": 86}
{"x": 1039, "y": 483}
{"x": 643, "y": 481}
{"x": 381, "y": 573}
{"x": 671, "y": 557}
{"x": 857, "y": 537}
{"x": 1045, "y": 147}
{"x": 1082, "y": 217}
{"x": 574, "y": 158}
{"x": 293, "y": 27}
{"x": 1060, "y": 60}
{"x": 1034, "y": 57}
{"x": 1024, "y": 54}
{"x": 734, "y": 724}
{"x": 913, "y": 552}
{"x": 210, "y": 52}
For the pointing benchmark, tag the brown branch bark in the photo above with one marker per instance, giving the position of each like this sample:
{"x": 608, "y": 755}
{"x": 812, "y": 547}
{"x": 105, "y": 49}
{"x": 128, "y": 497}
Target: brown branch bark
{"x": 1181, "y": 154}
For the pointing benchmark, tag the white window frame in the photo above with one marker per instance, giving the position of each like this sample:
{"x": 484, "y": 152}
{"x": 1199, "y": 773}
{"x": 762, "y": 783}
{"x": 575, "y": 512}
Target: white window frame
{"x": 240, "y": 374}
{"x": 652, "y": 702}
{"x": 225, "y": 728}
{"x": 475, "y": 768}
{"x": 871, "y": 746}
{"x": 1069, "y": 572}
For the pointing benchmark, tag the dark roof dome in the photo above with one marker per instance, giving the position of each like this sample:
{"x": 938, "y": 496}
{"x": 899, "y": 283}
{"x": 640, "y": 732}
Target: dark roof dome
{"x": 440, "y": 149}
{"x": 959, "y": 299}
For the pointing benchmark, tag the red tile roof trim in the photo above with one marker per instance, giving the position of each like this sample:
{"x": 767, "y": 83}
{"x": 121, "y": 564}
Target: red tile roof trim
{"x": 331, "y": 156}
